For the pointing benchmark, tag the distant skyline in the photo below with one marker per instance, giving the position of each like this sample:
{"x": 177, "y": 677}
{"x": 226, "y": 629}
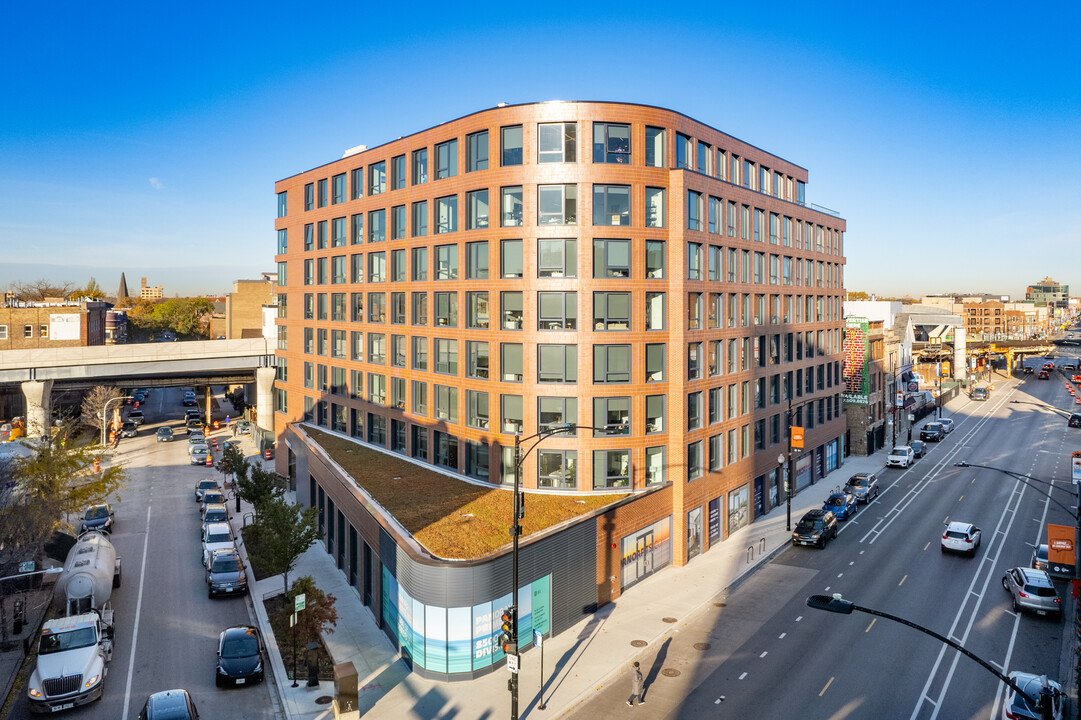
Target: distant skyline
{"x": 147, "y": 139}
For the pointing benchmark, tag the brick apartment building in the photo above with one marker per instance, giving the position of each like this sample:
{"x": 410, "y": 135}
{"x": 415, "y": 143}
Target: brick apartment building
{"x": 609, "y": 265}
{"x": 37, "y": 325}
{"x": 244, "y": 306}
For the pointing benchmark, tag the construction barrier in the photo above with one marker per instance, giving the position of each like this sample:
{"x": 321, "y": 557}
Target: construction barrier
{"x": 97, "y": 465}
{"x": 268, "y": 454}
{"x": 209, "y": 460}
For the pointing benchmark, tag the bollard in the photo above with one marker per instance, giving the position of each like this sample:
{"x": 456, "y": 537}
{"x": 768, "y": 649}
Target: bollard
{"x": 97, "y": 465}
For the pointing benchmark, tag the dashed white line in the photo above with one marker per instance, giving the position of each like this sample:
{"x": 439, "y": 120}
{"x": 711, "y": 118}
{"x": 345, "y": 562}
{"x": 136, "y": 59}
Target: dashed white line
{"x": 743, "y": 676}
{"x": 764, "y": 654}
{"x": 781, "y": 636}
{"x": 138, "y": 610}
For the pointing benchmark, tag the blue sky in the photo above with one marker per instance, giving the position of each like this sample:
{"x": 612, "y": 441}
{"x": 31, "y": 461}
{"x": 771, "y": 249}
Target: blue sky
{"x": 148, "y": 139}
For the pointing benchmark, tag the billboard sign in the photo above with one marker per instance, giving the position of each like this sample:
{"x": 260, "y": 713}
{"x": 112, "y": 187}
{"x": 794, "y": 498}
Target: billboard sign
{"x": 856, "y": 354}
{"x": 1061, "y": 552}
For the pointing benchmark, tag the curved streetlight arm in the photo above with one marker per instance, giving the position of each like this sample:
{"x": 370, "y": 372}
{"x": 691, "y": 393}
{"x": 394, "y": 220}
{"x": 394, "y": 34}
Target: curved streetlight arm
{"x": 836, "y": 604}
{"x": 560, "y": 430}
{"x": 1025, "y": 480}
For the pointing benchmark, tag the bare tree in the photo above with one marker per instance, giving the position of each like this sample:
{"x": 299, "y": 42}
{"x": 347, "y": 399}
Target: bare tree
{"x": 39, "y": 290}
{"x": 94, "y": 405}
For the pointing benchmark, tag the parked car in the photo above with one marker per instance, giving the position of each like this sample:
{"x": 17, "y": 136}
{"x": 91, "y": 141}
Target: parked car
{"x": 97, "y": 517}
{"x": 203, "y": 486}
{"x": 199, "y": 453}
{"x": 212, "y": 497}
{"x": 1017, "y": 707}
{"x": 129, "y": 429}
{"x": 196, "y": 437}
{"x": 136, "y": 416}
{"x": 816, "y": 527}
{"x": 919, "y": 448}
{"x": 900, "y": 456}
{"x": 214, "y": 512}
{"x": 243, "y": 427}
{"x": 864, "y": 486}
{"x": 225, "y": 573}
{"x": 947, "y": 424}
{"x": 961, "y": 537}
{"x": 165, "y": 434}
{"x": 1039, "y": 557}
{"x": 169, "y": 705}
{"x": 1032, "y": 590}
{"x": 932, "y": 431}
{"x": 240, "y": 656}
{"x": 193, "y": 425}
{"x": 216, "y": 536}
{"x": 841, "y": 504}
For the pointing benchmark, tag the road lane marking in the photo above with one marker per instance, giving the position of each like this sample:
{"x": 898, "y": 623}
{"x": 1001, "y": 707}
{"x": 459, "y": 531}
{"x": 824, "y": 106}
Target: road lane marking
{"x": 743, "y": 676}
{"x": 852, "y": 563}
{"x": 764, "y": 654}
{"x": 799, "y": 618}
{"x": 927, "y": 545}
{"x": 873, "y": 621}
{"x": 138, "y": 610}
{"x": 902, "y": 581}
{"x": 960, "y": 498}
{"x": 781, "y": 636}
{"x": 826, "y": 688}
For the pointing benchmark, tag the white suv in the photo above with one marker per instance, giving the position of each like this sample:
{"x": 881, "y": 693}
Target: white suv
{"x": 900, "y": 456}
{"x": 961, "y": 537}
{"x": 216, "y": 536}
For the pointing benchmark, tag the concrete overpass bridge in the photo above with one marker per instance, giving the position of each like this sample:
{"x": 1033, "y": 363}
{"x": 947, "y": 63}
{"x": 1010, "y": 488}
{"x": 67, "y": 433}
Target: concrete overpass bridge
{"x": 168, "y": 364}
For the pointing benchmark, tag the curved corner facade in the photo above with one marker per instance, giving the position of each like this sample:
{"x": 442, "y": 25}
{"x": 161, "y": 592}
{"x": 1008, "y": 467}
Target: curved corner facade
{"x": 610, "y": 265}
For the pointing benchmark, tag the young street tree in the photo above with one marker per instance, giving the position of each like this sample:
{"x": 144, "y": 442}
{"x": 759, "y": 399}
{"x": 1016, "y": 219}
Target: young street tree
{"x": 318, "y": 615}
{"x": 53, "y": 483}
{"x": 260, "y": 488}
{"x": 93, "y": 406}
{"x": 283, "y": 532}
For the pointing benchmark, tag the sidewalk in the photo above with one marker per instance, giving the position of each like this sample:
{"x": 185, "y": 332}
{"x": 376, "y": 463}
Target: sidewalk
{"x": 577, "y": 662}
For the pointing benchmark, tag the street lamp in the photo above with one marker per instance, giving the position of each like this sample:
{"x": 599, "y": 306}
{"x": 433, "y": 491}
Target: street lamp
{"x": 105, "y": 415}
{"x": 782, "y": 462}
{"x": 837, "y": 604}
{"x": 516, "y": 531}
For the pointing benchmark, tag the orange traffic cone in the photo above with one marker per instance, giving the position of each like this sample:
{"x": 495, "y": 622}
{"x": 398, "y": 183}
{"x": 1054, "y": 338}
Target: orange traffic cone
{"x": 97, "y": 465}
{"x": 209, "y": 460}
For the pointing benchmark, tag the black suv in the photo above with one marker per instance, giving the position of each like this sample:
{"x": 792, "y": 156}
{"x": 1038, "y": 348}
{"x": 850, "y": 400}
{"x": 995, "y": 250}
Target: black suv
{"x": 817, "y": 527}
{"x": 933, "y": 431}
{"x": 1075, "y": 420}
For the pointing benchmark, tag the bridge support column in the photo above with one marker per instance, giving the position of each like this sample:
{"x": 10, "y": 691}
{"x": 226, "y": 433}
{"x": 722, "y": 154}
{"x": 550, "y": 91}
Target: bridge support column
{"x": 264, "y": 399}
{"x": 960, "y": 354}
{"x": 38, "y": 406}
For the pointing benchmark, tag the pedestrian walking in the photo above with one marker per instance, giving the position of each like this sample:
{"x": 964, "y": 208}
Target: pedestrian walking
{"x": 234, "y": 429}
{"x": 637, "y": 686}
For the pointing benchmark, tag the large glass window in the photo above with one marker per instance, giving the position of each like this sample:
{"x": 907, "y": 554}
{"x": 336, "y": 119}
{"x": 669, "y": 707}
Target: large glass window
{"x": 611, "y": 258}
{"x": 477, "y": 204}
{"x": 446, "y": 309}
{"x": 694, "y": 210}
{"x": 420, "y": 353}
{"x": 655, "y": 413}
{"x": 557, "y": 258}
{"x": 322, "y": 196}
{"x": 477, "y": 309}
{"x": 446, "y": 262}
{"x": 655, "y": 147}
{"x": 512, "y": 310}
{"x": 611, "y": 311}
{"x": 557, "y": 363}
{"x": 655, "y": 355}
{"x": 476, "y": 151}
{"x": 511, "y": 206}
{"x": 446, "y": 214}
{"x": 377, "y": 178}
{"x": 553, "y": 412}
{"x": 420, "y": 218}
{"x": 510, "y": 362}
{"x": 557, "y": 469}
{"x": 477, "y": 403}
{"x": 557, "y": 204}
{"x": 654, "y": 259}
{"x": 446, "y": 160}
{"x": 611, "y": 363}
{"x": 511, "y": 259}
{"x": 446, "y": 403}
{"x": 476, "y": 260}
{"x": 611, "y": 205}
{"x": 420, "y": 166}
{"x": 377, "y": 226}
{"x": 446, "y": 356}
{"x": 337, "y": 190}
{"x": 511, "y": 413}
{"x": 377, "y": 348}
{"x": 420, "y": 263}
{"x": 684, "y": 150}
{"x": 377, "y": 267}
{"x": 656, "y": 216}
{"x": 611, "y": 143}
{"x": 611, "y": 468}
{"x": 511, "y": 145}
{"x": 397, "y": 222}
{"x": 556, "y": 142}
{"x": 557, "y": 310}
{"x": 476, "y": 359}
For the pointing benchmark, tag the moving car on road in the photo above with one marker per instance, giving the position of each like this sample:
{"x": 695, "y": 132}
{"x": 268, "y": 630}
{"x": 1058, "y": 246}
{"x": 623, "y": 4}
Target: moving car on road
{"x": 170, "y": 705}
{"x": 1032, "y": 590}
{"x": 842, "y": 505}
{"x": 129, "y": 429}
{"x": 816, "y": 527}
{"x": 961, "y": 537}
{"x": 136, "y": 416}
{"x": 165, "y": 434}
{"x": 199, "y": 454}
{"x": 1018, "y": 708}
{"x": 900, "y": 456}
{"x": 97, "y": 517}
{"x": 864, "y": 486}
{"x": 1043, "y": 375}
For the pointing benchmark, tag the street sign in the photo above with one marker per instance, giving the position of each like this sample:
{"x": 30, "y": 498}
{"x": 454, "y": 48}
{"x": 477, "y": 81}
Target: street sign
{"x": 26, "y": 566}
{"x": 797, "y": 436}
{"x": 538, "y": 638}
{"x": 298, "y": 602}
{"x": 512, "y": 663}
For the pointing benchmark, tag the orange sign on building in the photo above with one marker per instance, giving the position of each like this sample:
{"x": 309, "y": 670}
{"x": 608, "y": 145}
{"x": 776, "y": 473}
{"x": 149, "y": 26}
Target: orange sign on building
{"x": 797, "y": 436}
{"x": 1061, "y": 552}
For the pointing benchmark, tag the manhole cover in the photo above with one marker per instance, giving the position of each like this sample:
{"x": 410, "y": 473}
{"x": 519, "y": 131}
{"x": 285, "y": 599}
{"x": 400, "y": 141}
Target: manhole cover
{"x": 670, "y": 672}
{"x": 702, "y": 646}
{"x": 720, "y": 604}
{"x": 323, "y": 700}
{"x": 668, "y": 620}
{"x": 638, "y": 643}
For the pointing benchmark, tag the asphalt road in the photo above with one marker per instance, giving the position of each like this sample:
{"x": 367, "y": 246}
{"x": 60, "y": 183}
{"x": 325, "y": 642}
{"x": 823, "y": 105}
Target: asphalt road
{"x": 166, "y": 626}
{"x": 766, "y": 654}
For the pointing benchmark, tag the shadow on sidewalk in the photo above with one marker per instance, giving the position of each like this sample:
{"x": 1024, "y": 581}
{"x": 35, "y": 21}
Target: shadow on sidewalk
{"x": 567, "y": 660}
{"x": 655, "y": 669}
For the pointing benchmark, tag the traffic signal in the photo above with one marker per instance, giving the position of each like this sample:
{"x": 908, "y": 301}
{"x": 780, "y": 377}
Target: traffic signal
{"x": 509, "y": 630}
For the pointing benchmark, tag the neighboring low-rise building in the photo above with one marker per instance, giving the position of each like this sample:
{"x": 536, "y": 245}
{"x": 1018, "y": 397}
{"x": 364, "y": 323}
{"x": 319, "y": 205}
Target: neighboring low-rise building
{"x": 156, "y": 292}
{"x": 244, "y": 306}
{"x": 33, "y": 325}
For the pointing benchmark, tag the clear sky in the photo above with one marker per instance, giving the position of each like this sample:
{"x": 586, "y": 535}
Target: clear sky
{"x": 146, "y": 139}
